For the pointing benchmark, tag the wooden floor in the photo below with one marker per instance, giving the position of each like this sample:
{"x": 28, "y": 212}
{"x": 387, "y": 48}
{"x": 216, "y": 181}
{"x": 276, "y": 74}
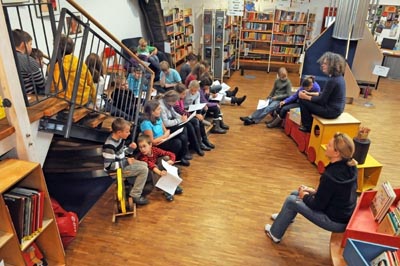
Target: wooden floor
{"x": 230, "y": 194}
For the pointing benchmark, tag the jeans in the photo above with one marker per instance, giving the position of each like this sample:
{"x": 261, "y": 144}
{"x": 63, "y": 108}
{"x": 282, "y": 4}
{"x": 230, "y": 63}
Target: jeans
{"x": 136, "y": 175}
{"x": 258, "y": 115}
{"x": 292, "y": 206}
{"x": 282, "y": 111}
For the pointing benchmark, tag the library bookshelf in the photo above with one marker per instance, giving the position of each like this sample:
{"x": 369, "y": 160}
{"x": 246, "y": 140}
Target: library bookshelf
{"x": 275, "y": 38}
{"x": 18, "y": 173}
{"x": 179, "y": 26}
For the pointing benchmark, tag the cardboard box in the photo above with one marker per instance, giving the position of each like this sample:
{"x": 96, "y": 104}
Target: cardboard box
{"x": 362, "y": 225}
{"x": 361, "y": 253}
{"x": 294, "y": 115}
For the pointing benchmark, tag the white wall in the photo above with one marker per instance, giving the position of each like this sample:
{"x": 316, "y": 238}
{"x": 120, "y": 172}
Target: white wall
{"x": 121, "y": 18}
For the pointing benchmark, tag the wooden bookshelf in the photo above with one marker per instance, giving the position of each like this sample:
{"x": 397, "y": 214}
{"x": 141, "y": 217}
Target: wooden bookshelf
{"x": 280, "y": 34}
{"x": 180, "y": 29}
{"x": 363, "y": 226}
{"x": 27, "y": 174}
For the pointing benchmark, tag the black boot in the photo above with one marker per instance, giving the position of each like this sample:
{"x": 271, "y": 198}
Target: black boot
{"x": 198, "y": 148}
{"x": 275, "y": 123}
{"x": 240, "y": 100}
{"x": 223, "y": 125}
{"x": 208, "y": 143}
{"x": 217, "y": 127}
{"x": 232, "y": 93}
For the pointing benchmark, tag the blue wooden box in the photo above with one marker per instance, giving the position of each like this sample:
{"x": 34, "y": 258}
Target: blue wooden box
{"x": 360, "y": 253}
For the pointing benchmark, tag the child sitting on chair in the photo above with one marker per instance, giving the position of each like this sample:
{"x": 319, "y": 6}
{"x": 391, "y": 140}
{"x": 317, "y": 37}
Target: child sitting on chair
{"x": 114, "y": 155}
{"x": 153, "y": 156}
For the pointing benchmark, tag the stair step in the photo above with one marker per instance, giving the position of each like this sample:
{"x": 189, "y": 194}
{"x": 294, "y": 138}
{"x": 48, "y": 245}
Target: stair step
{"x": 80, "y": 113}
{"x": 107, "y": 123}
{"x": 95, "y": 121}
{"x": 58, "y": 106}
{"x": 47, "y": 107}
{"x": 5, "y": 128}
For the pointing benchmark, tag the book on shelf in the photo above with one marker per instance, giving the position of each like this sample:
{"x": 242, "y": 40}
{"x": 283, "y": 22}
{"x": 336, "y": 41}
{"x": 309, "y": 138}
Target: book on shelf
{"x": 33, "y": 256}
{"x": 16, "y": 208}
{"x": 382, "y": 201}
{"x": 386, "y": 258}
{"x": 38, "y": 202}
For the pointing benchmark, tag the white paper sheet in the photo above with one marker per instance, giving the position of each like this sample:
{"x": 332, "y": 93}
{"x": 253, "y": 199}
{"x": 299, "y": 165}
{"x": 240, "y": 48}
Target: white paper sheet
{"x": 262, "y": 104}
{"x": 195, "y": 107}
{"x": 225, "y": 87}
{"x": 189, "y": 118}
{"x": 175, "y": 133}
{"x": 171, "y": 180}
{"x": 218, "y": 97}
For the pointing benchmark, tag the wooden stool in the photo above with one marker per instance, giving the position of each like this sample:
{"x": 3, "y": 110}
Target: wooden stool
{"x": 323, "y": 129}
{"x": 123, "y": 203}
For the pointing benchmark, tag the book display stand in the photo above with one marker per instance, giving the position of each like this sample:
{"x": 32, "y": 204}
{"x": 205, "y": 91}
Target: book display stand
{"x": 363, "y": 226}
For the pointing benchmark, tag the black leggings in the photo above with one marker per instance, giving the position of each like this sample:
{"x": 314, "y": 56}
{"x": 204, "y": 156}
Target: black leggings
{"x": 178, "y": 145}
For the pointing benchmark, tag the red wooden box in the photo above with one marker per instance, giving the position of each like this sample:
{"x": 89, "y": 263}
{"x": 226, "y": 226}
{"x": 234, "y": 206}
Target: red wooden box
{"x": 363, "y": 226}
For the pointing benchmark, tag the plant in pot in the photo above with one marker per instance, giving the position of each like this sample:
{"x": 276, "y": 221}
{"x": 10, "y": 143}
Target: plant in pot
{"x": 361, "y": 143}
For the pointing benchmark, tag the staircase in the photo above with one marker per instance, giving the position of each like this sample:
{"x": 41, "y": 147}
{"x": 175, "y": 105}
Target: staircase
{"x": 73, "y": 166}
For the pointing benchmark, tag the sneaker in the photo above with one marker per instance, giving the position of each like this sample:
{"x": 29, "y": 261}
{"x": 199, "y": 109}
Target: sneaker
{"x": 168, "y": 196}
{"x": 178, "y": 190}
{"x": 269, "y": 234}
{"x": 140, "y": 200}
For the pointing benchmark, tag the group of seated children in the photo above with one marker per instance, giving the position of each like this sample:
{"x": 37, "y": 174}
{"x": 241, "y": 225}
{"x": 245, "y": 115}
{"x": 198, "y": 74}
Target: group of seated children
{"x": 147, "y": 168}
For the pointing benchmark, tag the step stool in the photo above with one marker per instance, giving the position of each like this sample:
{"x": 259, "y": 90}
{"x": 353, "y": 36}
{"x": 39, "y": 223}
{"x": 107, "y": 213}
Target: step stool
{"x": 323, "y": 130}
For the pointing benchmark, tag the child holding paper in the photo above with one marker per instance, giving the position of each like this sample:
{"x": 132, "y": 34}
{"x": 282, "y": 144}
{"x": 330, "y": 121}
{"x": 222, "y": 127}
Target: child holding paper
{"x": 196, "y": 130}
{"x": 153, "y": 157}
{"x": 281, "y": 90}
{"x": 153, "y": 126}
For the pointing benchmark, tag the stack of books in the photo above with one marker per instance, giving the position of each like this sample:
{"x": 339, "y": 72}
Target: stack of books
{"x": 26, "y": 210}
{"x": 388, "y": 216}
{"x": 386, "y": 258}
{"x": 382, "y": 201}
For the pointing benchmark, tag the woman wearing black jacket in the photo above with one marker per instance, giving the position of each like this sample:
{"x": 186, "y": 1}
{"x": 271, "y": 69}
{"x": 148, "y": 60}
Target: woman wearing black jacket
{"x": 331, "y": 205}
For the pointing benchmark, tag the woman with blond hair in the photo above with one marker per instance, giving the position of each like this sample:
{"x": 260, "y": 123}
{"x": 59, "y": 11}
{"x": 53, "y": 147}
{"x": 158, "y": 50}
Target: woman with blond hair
{"x": 331, "y": 205}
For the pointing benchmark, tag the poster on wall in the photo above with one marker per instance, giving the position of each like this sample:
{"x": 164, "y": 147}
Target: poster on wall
{"x": 235, "y": 8}
{"x": 75, "y": 28}
{"x": 42, "y": 10}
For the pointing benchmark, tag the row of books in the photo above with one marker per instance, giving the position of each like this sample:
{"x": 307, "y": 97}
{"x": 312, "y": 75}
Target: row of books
{"x": 390, "y": 224}
{"x": 26, "y": 210}
{"x": 284, "y": 28}
{"x": 257, "y": 26}
{"x": 258, "y": 16}
{"x": 293, "y": 16}
{"x": 256, "y": 36}
{"x": 286, "y": 50}
{"x": 386, "y": 258}
{"x": 299, "y": 40}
